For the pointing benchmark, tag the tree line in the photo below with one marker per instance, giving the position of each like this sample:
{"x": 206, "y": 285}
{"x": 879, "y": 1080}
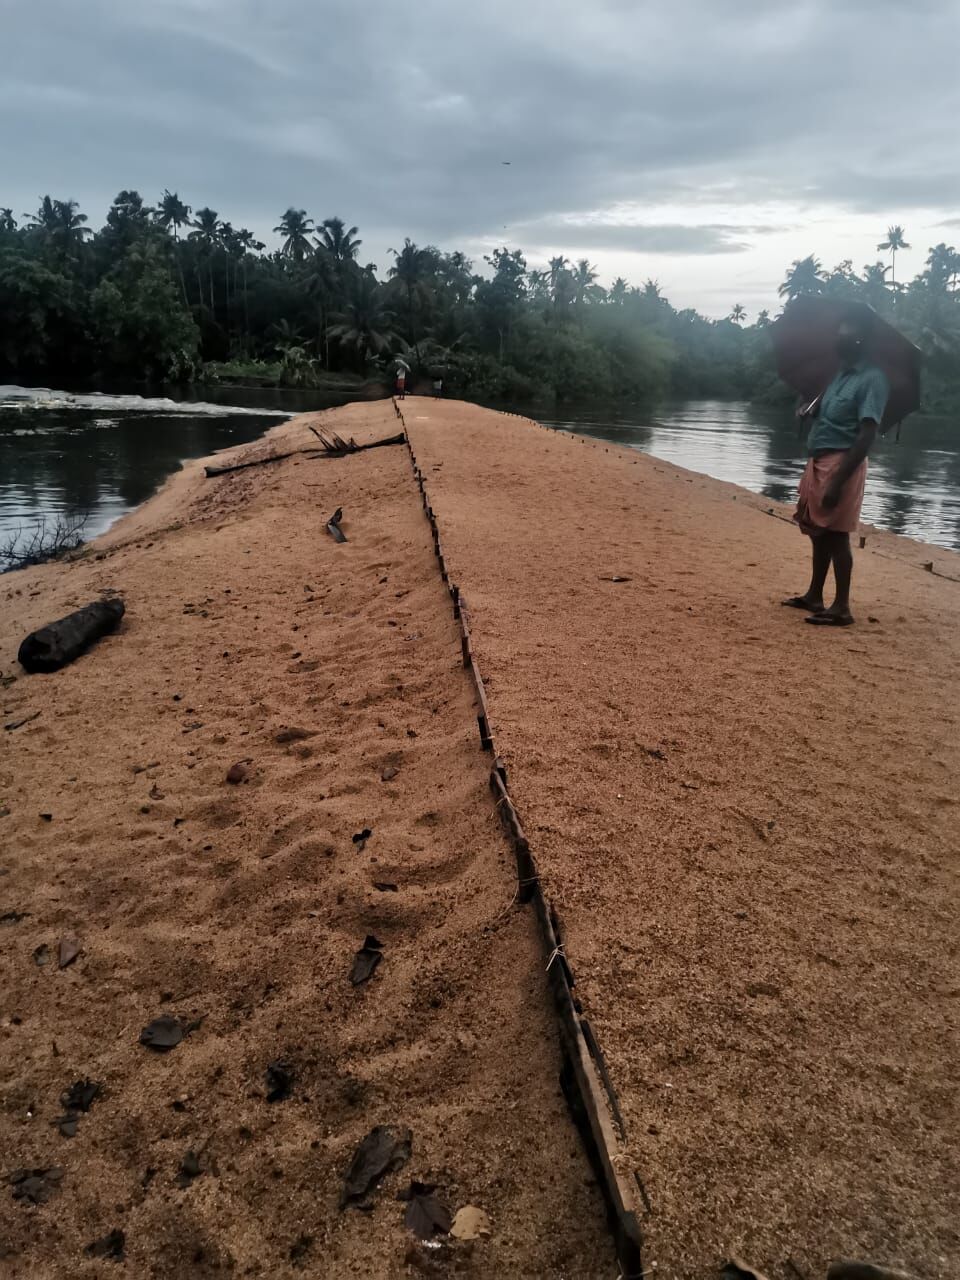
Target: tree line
{"x": 165, "y": 293}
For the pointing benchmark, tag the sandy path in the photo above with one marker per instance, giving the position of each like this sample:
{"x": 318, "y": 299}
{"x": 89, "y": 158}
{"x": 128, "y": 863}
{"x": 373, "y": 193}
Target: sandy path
{"x": 243, "y": 905}
{"x": 749, "y": 827}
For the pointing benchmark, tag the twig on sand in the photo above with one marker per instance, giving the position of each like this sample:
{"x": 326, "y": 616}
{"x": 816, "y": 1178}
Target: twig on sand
{"x": 49, "y": 538}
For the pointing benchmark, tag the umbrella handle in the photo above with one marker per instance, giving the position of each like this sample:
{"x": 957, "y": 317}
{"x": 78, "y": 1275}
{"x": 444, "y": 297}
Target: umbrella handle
{"x": 808, "y": 410}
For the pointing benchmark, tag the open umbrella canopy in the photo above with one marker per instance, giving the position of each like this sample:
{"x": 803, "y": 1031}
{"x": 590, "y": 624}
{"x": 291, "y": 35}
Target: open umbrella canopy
{"x": 804, "y": 342}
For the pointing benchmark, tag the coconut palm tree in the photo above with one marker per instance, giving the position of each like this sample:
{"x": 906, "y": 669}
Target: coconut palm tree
{"x": 618, "y": 292}
{"x": 874, "y": 284}
{"x": 322, "y": 282}
{"x": 127, "y": 218}
{"x": 943, "y": 265}
{"x": 295, "y": 227}
{"x": 171, "y": 212}
{"x": 366, "y": 322}
{"x": 412, "y": 269}
{"x": 45, "y": 219}
{"x": 246, "y": 244}
{"x": 584, "y": 278}
{"x": 738, "y": 314}
{"x": 339, "y": 241}
{"x": 207, "y": 237}
{"x": 558, "y": 266}
{"x": 61, "y": 223}
{"x": 538, "y": 286}
{"x": 805, "y": 276}
{"x": 894, "y": 242}
{"x": 763, "y": 319}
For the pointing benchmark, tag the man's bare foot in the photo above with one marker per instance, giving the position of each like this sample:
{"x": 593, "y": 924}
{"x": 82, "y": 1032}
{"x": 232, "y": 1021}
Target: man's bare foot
{"x": 803, "y": 602}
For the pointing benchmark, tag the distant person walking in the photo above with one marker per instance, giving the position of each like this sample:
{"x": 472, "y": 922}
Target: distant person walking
{"x": 831, "y": 488}
{"x": 401, "y": 383}
{"x": 437, "y": 388}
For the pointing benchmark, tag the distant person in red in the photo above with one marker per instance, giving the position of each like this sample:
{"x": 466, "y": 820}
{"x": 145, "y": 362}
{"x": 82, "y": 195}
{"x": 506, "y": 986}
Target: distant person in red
{"x": 401, "y": 384}
{"x": 844, "y": 428}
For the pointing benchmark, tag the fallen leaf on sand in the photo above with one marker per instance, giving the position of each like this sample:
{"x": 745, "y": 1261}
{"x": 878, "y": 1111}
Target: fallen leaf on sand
{"x": 156, "y": 793}
{"x": 299, "y": 1249}
{"x": 617, "y": 577}
{"x": 382, "y": 1151}
{"x": 848, "y": 1269}
{"x": 163, "y": 1033}
{"x": 41, "y": 955}
{"x": 469, "y": 1223}
{"x": 36, "y": 1186}
{"x": 361, "y": 838}
{"x": 108, "y": 1246}
{"x": 385, "y": 886}
{"x": 425, "y": 1215}
{"x": 189, "y": 1169}
{"x": 81, "y": 1095}
{"x": 237, "y": 772}
{"x": 389, "y": 774}
{"x": 293, "y": 735}
{"x": 68, "y": 952}
{"x": 735, "y": 1269}
{"x": 366, "y": 960}
{"x": 18, "y": 724}
{"x": 279, "y": 1081}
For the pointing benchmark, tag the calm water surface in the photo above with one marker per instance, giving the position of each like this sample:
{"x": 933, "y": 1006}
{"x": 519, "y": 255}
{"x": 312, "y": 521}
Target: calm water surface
{"x": 103, "y": 455}
{"x": 63, "y": 455}
{"x": 913, "y": 486}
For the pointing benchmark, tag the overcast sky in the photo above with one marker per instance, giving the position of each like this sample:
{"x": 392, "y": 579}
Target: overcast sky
{"x": 704, "y": 143}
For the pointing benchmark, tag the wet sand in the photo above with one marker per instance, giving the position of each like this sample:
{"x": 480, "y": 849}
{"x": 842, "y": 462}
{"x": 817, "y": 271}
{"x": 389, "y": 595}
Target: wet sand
{"x": 749, "y": 827}
{"x": 240, "y": 907}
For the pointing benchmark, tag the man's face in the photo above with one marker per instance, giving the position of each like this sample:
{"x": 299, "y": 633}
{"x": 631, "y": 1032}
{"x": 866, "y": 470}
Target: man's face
{"x": 849, "y": 343}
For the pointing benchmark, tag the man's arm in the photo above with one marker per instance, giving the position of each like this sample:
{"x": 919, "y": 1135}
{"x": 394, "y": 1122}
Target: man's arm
{"x": 851, "y": 460}
{"x": 872, "y": 402}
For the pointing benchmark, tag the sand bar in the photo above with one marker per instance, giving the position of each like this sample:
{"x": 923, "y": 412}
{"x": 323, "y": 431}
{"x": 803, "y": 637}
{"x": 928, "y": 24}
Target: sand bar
{"x": 241, "y": 906}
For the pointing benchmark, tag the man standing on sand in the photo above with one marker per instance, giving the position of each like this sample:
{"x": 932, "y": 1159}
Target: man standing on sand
{"x": 831, "y": 487}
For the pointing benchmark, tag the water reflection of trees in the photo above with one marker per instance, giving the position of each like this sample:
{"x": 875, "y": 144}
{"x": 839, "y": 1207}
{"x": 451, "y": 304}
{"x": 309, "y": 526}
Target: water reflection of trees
{"x": 64, "y": 461}
{"x": 914, "y": 486}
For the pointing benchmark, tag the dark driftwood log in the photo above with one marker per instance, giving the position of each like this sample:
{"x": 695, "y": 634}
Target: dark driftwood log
{"x": 60, "y": 642}
{"x": 336, "y": 449}
{"x": 256, "y": 462}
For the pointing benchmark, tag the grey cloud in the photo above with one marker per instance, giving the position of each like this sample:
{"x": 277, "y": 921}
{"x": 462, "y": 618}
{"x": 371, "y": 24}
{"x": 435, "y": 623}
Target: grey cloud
{"x": 398, "y": 117}
{"x": 672, "y": 238}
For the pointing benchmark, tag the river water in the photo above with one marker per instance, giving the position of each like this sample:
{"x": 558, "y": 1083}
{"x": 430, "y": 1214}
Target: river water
{"x": 101, "y": 455}
{"x": 913, "y": 486}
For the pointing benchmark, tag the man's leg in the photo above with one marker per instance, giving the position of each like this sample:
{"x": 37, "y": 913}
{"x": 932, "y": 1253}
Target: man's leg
{"x": 842, "y": 570}
{"x": 838, "y": 615}
{"x": 812, "y": 598}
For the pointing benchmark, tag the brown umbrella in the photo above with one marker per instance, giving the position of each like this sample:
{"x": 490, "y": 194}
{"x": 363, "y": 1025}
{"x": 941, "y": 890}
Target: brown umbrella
{"x": 804, "y": 342}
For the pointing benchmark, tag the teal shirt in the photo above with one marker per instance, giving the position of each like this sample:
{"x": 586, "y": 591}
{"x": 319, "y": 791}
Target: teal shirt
{"x": 854, "y": 395}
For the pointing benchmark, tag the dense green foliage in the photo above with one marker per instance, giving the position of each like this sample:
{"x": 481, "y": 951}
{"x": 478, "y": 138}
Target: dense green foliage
{"x": 169, "y": 293}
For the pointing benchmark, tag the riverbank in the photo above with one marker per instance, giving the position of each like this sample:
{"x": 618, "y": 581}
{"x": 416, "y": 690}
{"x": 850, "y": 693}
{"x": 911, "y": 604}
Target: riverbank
{"x": 332, "y": 673}
{"x": 747, "y": 827}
